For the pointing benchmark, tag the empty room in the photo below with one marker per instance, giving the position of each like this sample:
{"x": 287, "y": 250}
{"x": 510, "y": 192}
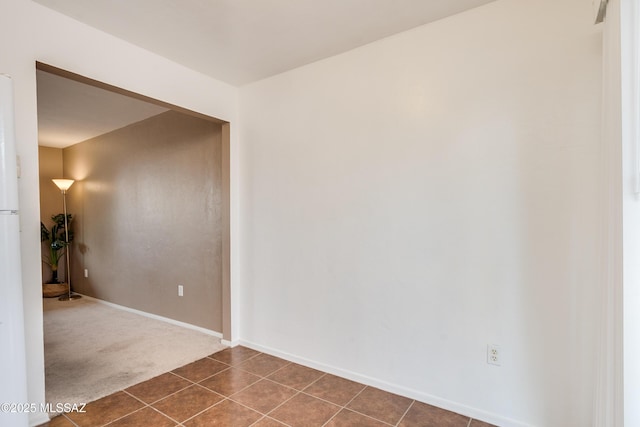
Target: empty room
{"x": 432, "y": 209}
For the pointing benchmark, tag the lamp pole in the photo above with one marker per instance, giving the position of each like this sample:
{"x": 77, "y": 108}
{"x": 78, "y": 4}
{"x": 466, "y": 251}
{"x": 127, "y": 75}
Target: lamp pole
{"x": 63, "y": 185}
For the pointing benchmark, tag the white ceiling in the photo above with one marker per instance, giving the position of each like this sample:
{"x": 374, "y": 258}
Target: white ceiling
{"x": 241, "y": 41}
{"x": 70, "y": 112}
{"x": 236, "y": 41}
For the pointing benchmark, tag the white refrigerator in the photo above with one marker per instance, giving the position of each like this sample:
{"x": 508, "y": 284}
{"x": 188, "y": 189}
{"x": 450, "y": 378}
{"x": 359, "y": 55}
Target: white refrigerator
{"x": 13, "y": 376}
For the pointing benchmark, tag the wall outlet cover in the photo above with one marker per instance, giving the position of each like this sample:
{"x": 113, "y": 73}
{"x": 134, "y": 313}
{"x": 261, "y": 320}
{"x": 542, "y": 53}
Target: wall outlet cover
{"x": 494, "y": 356}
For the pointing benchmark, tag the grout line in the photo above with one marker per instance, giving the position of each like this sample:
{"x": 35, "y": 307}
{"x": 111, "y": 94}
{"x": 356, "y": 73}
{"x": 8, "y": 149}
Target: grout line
{"x": 239, "y": 363}
{"x": 260, "y": 375}
{"x": 64, "y": 414}
{"x": 344, "y": 407}
{"x": 364, "y": 387}
{"x": 262, "y": 418}
{"x": 268, "y": 412}
{"x": 333, "y": 403}
{"x": 146, "y": 405}
{"x": 332, "y": 417}
{"x": 185, "y": 378}
{"x": 405, "y": 413}
{"x": 266, "y": 417}
{"x": 297, "y": 392}
{"x": 287, "y": 400}
{"x": 206, "y": 378}
{"x": 279, "y": 369}
{"x": 242, "y": 361}
{"x": 269, "y": 373}
{"x": 325, "y": 400}
{"x": 210, "y": 391}
{"x": 168, "y": 395}
{"x": 138, "y": 410}
{"x": 364, "y": 415}
{"x": 262, "y": 413}
{"x": 315, "y": 397}
{"x": 204, "y": 410}
{"x": 357, "y": 394}
{"x": 136, "y": 398}
{"x": 124, "y": 416}
{"x": 172, "y": 394}
{"x": 248, "y": 407}
{"x": 162, "y": 413}
{"x": 235, "y": 392}
{"x": 283, "y": 385}
{"x": 324, "y": 374}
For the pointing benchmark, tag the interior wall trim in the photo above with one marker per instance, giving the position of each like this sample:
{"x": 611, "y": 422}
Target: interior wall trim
{"x": 115, "y": 89}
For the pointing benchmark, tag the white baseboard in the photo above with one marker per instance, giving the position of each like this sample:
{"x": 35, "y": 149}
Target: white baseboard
{"x": 232, "y": 344}
{"x": 156, "y": 317}
{"x": 459, "y": 408}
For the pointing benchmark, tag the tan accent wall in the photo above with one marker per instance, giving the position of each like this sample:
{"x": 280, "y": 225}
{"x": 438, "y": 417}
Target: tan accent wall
{"x": 50, "y": 166}
{"x": 148, "y": 208}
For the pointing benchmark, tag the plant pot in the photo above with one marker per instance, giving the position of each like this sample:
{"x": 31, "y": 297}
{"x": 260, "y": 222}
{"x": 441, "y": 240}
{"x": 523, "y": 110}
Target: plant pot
{"x": 52, "y": 290}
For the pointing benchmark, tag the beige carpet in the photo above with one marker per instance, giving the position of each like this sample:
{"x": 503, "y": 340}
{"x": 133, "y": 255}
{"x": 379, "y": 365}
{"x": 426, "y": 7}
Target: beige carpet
{"x": 92, "y": 350}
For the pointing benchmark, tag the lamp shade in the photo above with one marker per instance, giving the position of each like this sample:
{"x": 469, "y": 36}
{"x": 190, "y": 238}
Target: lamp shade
{"x": 63, "y": 184}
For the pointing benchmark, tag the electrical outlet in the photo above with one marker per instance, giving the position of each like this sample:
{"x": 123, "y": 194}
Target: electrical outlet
{"x": 180, "y": 290}
{"x": 494, "y": 356}
{"x": 86, "y": 272}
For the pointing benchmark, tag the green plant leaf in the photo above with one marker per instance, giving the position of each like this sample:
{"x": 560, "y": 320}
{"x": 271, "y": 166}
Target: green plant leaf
{"x": 56, "y": 238}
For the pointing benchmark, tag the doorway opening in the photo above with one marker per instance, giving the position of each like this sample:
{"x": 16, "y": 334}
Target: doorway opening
{"x": 150, "y": 201}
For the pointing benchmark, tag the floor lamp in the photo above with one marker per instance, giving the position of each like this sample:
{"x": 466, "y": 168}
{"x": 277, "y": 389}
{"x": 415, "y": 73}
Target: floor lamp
{"x": 63, "y": 185}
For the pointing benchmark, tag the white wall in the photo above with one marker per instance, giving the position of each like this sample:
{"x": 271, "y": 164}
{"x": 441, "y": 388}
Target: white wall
{"x": 403, "y": 204}
{"x": 608, "y": 405}
{"x": 29, "y": 33}
{"x": 628, "y": 21}
{"x": 411, "y": 201}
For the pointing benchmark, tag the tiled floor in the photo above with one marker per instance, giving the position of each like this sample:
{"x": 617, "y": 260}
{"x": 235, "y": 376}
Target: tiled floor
{"x": 242, "y": 387}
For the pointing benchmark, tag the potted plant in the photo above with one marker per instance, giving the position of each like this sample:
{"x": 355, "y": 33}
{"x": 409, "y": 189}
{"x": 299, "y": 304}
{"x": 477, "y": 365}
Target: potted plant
{"x": 56, "y": 245}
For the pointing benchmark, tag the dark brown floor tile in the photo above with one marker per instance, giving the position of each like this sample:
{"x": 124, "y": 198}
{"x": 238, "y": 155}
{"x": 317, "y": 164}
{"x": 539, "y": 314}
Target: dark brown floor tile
{"x": 296, "y": 376}
{"x": 347, "y": 418}
{"x": 145, "y": 417}
{"x": 225, "y": 414}
{"x": 477, "y": 423}
{"x": 380, "y": 404}
{"x": 268, "y": 422}
{"x": 58, "y": 421}
{"x": 230, "y": 381}
{"x": 235, "y": 355}
{"x": 263, "y": 396}
{"x": 305, "y": 411}
{"x": 423, "y": 415}
{"x": 158, "y": 388}
{"x": 188, "y": 402}
{"x": 105, "y": 410}
{"x": 263, "y": 364}
{"x": 334, "y": 389}
{"x": 200, "y": 369}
